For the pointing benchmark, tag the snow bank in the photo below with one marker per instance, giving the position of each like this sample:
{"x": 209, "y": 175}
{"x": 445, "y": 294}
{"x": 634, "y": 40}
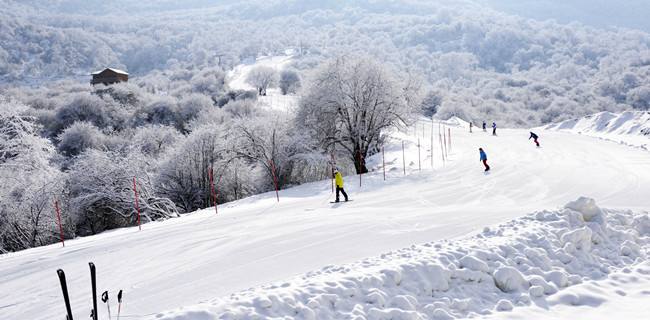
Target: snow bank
{"x": 630, "y": 127}
{"x": 526, "y": 260}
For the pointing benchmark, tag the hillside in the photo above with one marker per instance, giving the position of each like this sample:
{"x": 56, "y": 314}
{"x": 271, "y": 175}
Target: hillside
{"x": 258, "y": 241}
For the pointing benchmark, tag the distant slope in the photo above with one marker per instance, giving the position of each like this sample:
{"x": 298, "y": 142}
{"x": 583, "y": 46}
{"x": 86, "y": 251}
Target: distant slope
{"x": 274, "y": 99}
{"x": 630, "y": 127}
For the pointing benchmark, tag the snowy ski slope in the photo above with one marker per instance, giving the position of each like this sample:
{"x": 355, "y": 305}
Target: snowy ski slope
{"x": 274, "y": 100}
{"x": 257, "y": 241}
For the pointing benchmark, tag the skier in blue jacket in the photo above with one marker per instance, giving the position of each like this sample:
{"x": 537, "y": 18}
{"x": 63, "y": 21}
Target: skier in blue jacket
{"x": 494, "y": 128}
{"x": 484, "y": 159}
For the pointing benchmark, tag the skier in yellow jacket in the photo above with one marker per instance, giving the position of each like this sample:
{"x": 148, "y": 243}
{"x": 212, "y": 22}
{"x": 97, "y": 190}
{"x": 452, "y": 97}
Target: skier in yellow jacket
{"x": 339, "y": 185}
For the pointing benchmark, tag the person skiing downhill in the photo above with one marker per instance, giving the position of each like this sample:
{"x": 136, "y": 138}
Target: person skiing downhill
{"x": 484, "y": 159}
{"x": 484, "y": 126}
{"x": 339, "y": 185}
{"x": 470, "y": 127}
{"x": 534, "y": 137}
{"x": 494, "y": 128}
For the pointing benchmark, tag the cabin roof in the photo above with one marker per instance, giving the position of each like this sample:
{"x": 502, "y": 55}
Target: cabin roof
{"x": 112, "y": 69}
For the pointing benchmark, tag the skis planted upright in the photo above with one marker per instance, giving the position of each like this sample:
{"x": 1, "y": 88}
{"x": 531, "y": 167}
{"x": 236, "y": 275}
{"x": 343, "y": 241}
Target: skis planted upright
{"x": 66, "y": 298}
{"x": 93, "y": 282}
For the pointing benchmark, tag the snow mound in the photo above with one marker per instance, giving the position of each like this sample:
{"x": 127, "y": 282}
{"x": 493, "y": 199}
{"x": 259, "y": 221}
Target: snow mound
{"x": 509, "y": 279}
{"x": 588, "y": 208}
{"x": 630, "y": 127}
{"x": 455, "y": 122}
{"x": 528, "y": 261}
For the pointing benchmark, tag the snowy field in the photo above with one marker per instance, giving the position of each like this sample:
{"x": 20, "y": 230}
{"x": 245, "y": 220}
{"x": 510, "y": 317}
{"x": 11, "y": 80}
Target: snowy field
{"x": 410, "y": 247}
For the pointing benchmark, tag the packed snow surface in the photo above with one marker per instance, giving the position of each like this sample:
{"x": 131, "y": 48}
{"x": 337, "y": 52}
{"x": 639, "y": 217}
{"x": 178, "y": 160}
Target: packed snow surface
{"x": 256, "y": 242}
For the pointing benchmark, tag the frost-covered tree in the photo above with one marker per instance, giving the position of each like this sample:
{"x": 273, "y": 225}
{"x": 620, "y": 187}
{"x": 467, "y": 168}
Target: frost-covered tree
{"x": 351, "y": 101}
{"x": 29, "y": 181}
{"x": 100, "y": 186}
{"x": 289, "y": 81}
{"x": 79, "y": 137}
{"x": 183, "y": 174}
{"x": 154, "y": 140}
{"x": 262, "y": 78}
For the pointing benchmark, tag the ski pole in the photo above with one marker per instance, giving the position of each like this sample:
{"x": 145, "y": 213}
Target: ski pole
{"x": 108, "y": 305}
{"x": 119, "y": 304}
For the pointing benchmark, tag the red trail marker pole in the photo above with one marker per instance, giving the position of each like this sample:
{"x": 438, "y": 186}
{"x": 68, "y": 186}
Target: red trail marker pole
{"x": 58, "y": 217}
{"x": 212, "y": 191}
{"x": 275, "y": 180}
{"x": 449, "y": 138}
{"x": 444, "y": 140}
{"x": 332, "y": 173}
{"x": 432, "y": 147}
{"x": 383, "y": 161}
{"x": 360, "y": 172}
{"x": 403, "y": 158}
{"x": 442, "y": 149}
{"x": 137, "y": 205}
{"x": 419, "y": 157}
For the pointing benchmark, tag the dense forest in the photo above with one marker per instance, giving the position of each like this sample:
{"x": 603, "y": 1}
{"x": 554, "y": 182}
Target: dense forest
{"x": 178, "y": 118}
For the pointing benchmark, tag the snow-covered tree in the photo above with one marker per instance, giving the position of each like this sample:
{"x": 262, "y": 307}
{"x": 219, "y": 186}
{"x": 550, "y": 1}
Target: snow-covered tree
{"x": 262, "y": 78}
{"x": 183, "y": 174}
{"x": 351, "y": 101}
{"x": 29, "y": 181}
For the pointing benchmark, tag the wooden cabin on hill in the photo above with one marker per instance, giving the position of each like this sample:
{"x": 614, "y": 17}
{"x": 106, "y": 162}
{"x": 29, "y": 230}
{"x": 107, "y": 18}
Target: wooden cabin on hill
{"x": 109, "y": 76}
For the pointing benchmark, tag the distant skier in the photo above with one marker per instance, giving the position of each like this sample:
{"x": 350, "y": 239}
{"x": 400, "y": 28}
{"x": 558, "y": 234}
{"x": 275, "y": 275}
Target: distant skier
{"x": 339, "y": 185}
{"x": 484, "y": 159}
{"x": 534, "y": 137}
{"x": 494, "y": 128}
{"x": 484, "y": 126}
{"x": 470, "y": 127}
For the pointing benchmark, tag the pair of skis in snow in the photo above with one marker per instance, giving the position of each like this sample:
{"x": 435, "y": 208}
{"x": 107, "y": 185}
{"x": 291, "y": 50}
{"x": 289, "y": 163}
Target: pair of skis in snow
{"x": 93, "y": 282}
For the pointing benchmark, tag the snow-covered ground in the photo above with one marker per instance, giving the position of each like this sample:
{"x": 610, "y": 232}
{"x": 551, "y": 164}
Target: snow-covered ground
{"x": 262, "y": 244}
{"x": 630, "y": 127}
{"x": 274, "y": 99}
{"x": 530, "y": 260}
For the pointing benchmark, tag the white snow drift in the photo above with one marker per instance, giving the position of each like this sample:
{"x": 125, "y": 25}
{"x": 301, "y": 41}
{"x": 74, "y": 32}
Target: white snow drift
{"x": 525, "y": 261}
{"x": 630, "y": 127}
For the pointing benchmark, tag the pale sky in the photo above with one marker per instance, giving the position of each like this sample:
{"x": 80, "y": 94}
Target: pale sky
{"x": 633, "y": 14}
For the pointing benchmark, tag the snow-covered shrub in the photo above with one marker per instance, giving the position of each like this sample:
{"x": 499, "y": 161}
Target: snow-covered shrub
{"x": 79, "y": 137}
{"x": 89, "y": 108}
{"x": 153, "y": 140}
{"x": 290, "y": 81}
{"x": 101, "y": 195}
